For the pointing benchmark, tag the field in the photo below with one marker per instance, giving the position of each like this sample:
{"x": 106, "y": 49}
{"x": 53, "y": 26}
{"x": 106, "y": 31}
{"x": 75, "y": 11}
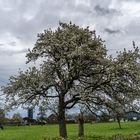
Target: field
{"x": 39, "y": 132}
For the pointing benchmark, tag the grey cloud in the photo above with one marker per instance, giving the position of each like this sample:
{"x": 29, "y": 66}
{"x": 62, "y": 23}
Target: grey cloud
{"x": 133, "y": 28}
{"x": 104, "y": 11}
{"x": 24, "y": 19}
{"x": 22, "y": 51}
{"x": 13, "y": 43}
{"x": 111, "y": 31}
{"x": 104, "y": 3}
{"x": 132, "y": 0}
{"x": 11, "y": 52}
{"x": 27, "y": 19}
{"x": 1, "y": 44}
{"x": 26, "y": 23}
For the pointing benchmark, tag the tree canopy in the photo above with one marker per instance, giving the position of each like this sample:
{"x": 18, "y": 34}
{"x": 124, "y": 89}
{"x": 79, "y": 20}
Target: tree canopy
{"x": 74, "y": 68}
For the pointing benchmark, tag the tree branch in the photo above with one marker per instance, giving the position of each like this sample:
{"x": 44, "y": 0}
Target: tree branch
{"x": 75, "y": 97}
{"x": 75, "y": 102}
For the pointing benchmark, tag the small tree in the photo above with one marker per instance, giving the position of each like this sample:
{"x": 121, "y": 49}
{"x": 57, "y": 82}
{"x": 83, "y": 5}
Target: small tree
{"x": 17, "y": 118}
{"x": 2, "y": 117}
{"x": 123, "y": 89}
{"x": 42, "y": 114}
{"x": 104, "y": 117}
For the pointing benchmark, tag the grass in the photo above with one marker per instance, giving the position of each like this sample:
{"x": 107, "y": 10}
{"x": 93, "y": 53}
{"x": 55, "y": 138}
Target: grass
{"x": 38, "y": 132}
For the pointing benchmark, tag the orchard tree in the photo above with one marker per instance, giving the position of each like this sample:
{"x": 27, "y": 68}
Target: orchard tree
{"x": 17, "y": 118}
{"x": 41, "y": 116}
{"x": 123, "y": 90}
{"x": 70, "y": 55}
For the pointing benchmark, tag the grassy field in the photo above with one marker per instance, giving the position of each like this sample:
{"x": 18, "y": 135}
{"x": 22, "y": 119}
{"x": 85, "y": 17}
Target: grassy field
{"x": 38, "y": 132}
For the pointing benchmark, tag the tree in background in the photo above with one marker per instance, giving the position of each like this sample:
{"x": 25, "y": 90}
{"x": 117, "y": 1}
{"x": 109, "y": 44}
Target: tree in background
{"x": 123, "y": 89}
{"x": 125, "y": 83}
{"x": 90, "y": 117}
{"x": 104, "y": 117}
{"x": 17, "y": 118}
{"x": 2, "y": 118}
{"x": 41, "y": 116}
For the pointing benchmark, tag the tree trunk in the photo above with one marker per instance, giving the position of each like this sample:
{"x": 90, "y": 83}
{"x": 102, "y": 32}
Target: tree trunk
{"x": 61, "y": 119}
{"x": 81, "y": 125}
{"x": 1, "y": 126}
{"x": 119, "y": 123}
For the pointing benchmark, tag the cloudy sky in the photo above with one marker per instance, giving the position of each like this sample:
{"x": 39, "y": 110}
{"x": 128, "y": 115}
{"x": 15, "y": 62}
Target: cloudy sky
{"x": 116, "y": 21}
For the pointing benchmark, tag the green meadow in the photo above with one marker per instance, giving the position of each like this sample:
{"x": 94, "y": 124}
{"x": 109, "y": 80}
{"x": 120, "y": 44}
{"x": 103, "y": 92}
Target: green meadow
{"x": 50, "y": 131}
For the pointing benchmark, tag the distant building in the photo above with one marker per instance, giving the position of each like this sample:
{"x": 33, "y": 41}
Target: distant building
{"x": 29, "y": 121}
{"x": 132, "y": 116}
{"x": 52, "y": 119}
{"x": 30, "y": 113}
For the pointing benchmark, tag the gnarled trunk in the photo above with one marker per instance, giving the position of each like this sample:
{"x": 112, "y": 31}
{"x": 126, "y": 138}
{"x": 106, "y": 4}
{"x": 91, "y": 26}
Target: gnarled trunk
{"x": 81, "y": 125}
{"x": 61, "y": 119}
